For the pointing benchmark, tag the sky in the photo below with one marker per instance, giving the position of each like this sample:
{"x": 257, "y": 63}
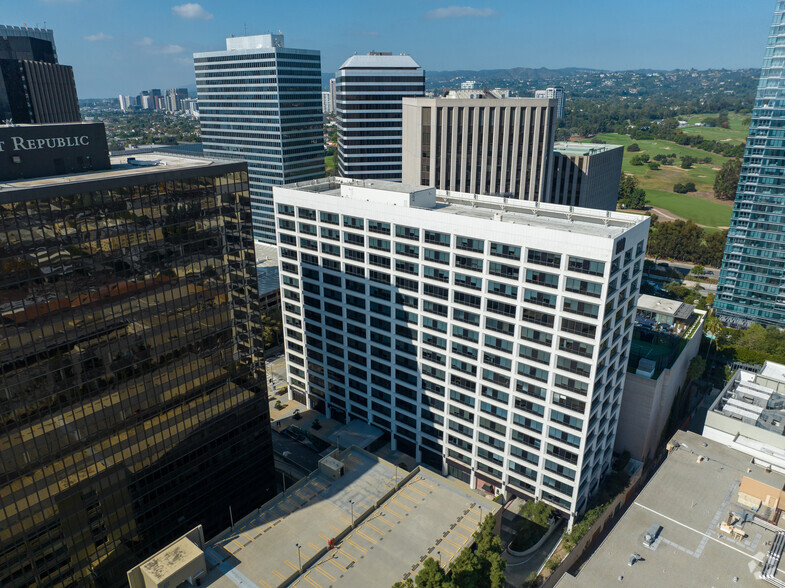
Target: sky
{"x": 125, "y": 46}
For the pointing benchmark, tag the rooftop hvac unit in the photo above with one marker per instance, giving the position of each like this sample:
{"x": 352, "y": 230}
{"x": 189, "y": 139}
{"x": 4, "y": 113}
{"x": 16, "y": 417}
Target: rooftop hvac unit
{"x": 331, "y": 467}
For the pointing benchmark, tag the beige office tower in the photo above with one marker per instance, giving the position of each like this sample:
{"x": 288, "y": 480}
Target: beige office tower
{"x": 586, "y": 175}
{"x": 485, "y": 145}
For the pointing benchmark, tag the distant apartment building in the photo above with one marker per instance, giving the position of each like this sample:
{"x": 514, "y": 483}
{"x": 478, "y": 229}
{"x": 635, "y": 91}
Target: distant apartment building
{"x": 369, "y": 89}
{"x": 468, "y": 85}
{"x": 34, "y": 86}
{"x": 586, "y": 175}
{"x": 485, "y": 145}
{"x": 332, "y": 94}
{"x": 132, "y": 396}
{"x": 473, "y": 92}
{"x": 557, "y": 93}
{"x": 261, "y": 102}
{"x": 488, "y": 339}
{"x": 327, "y": 103}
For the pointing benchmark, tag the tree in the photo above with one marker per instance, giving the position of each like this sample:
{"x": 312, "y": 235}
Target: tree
{"x": 636, "y": 160}
{"x": 654, "y": 165}
{"x": 627, "y": 183}
{"x": 537, "y": 512}
{"x": 431, "y": 575}
{"x": 633, "y": 147}
{"x": 637, "y": 199}
{"x": 696, "y": 368}
{"x": 465, "y": 570}
{"x": 698, "y": 270}
{"x": 687, "y": 161}
{"x": 727, "y": 180}
{"x": 408, "y": 583}
{"x": 489, "y": 554}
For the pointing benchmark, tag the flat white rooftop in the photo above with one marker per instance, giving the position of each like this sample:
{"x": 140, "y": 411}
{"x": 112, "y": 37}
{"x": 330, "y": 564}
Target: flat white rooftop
{"x": 504, "y": 210}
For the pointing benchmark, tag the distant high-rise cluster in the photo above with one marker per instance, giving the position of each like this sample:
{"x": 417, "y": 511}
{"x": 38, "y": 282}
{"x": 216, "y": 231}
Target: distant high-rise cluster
{"x": 172, "y": 100}
{"x": 34, "y": 87}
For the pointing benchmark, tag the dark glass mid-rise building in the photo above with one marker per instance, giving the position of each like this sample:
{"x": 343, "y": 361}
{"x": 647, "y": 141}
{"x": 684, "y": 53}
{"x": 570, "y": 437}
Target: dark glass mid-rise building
{"x": 262, "y": 102}
{"x": 132, "y": 396}
{"x": 751, "y": 286}
{"x": 34, "y": 87}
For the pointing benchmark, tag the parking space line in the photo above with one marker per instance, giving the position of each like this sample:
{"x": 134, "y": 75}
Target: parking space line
{"x": 315, "y": 549}
{"x": 452, "y": 543}
{"x": 247, "y": 535}
{"x": 264, "y": 584}
{"x": 323, "y": 536}
{"x": 342, "y": 551}
{"x": 279, "y": 574}
{"x": 385, "y": 521}
{"x": 412, "y": 488}
{"x": 312, "y": 582}
{"x": 471, "y": 530}
{"x": 238, "y": 543}
{"x": 355, "y": 545}
{"x": 323, "y": 573}
{"x": 291, "y": 565}
{"x": 332, "y": 561}
{"x": 364, "y": 536}
{"x": 387, "y": 508}
{"x": 334, "y": 528}
{"x": 375, "y": 528}
{"x": 399, "y": 503}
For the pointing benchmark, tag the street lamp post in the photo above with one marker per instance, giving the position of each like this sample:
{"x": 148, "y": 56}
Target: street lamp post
{"x": 351, "y": 506}
{"x": 440, "y": 558}
{"x": 299, "y": 561}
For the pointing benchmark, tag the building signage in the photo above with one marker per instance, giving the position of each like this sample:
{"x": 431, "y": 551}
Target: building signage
{"x": 23, "y": 144}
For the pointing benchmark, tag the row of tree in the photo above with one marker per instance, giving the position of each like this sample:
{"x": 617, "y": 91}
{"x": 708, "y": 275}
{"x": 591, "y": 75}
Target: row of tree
{"x": 481, "y": 566}
{"x": 685, "y": 241}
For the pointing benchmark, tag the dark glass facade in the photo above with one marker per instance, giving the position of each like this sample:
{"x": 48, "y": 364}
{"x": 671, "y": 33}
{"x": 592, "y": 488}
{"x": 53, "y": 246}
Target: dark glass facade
{"x": 34, "y": 87}
{"x": 132, "y": 395}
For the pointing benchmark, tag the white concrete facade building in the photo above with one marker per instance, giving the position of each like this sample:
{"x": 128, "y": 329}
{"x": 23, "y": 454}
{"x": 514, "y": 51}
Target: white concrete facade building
{"x": 369, "y": 89}
{"x": 261, "y": 102}
{"x": 327, "y": 103}
{"x": 486, "y": 145}
{"x": 487, "y": 336}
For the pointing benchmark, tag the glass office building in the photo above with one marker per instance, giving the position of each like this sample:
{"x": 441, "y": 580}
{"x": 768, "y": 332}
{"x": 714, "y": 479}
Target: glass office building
{"x": 262, "y": 102}
{"x": 132, "y": 395}
{"x": 751, "y": 287}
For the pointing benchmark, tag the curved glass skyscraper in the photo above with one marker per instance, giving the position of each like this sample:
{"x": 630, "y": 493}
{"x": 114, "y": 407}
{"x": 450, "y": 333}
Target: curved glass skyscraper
{"x": 752, "y": 284}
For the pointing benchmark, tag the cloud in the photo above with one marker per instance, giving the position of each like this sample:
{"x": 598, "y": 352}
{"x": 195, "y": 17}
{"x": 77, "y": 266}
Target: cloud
{"x": 460, "y": 12}
{"x": 145, "y": 42}
{"x": 98, "y": 37}
{"x": 191, "y": 10}
{"x": 168, "y": 49}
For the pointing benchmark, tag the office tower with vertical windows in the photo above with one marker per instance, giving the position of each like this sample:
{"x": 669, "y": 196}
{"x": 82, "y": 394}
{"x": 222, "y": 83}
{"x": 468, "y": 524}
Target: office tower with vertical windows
{"x": 489, "y": 339}
{"x": 751, "y": 288}
{"x": 483, "y": 145}
{"x": 34, "y": 87}
{"x": 556, "y": 93}
{"x": 133, "y": 404}
{"x": 369, "y": 89}
{"x": 261, "y": 102}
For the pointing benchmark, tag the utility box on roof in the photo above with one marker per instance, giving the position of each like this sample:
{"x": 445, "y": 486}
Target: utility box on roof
{"x": 331, "y": 467}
